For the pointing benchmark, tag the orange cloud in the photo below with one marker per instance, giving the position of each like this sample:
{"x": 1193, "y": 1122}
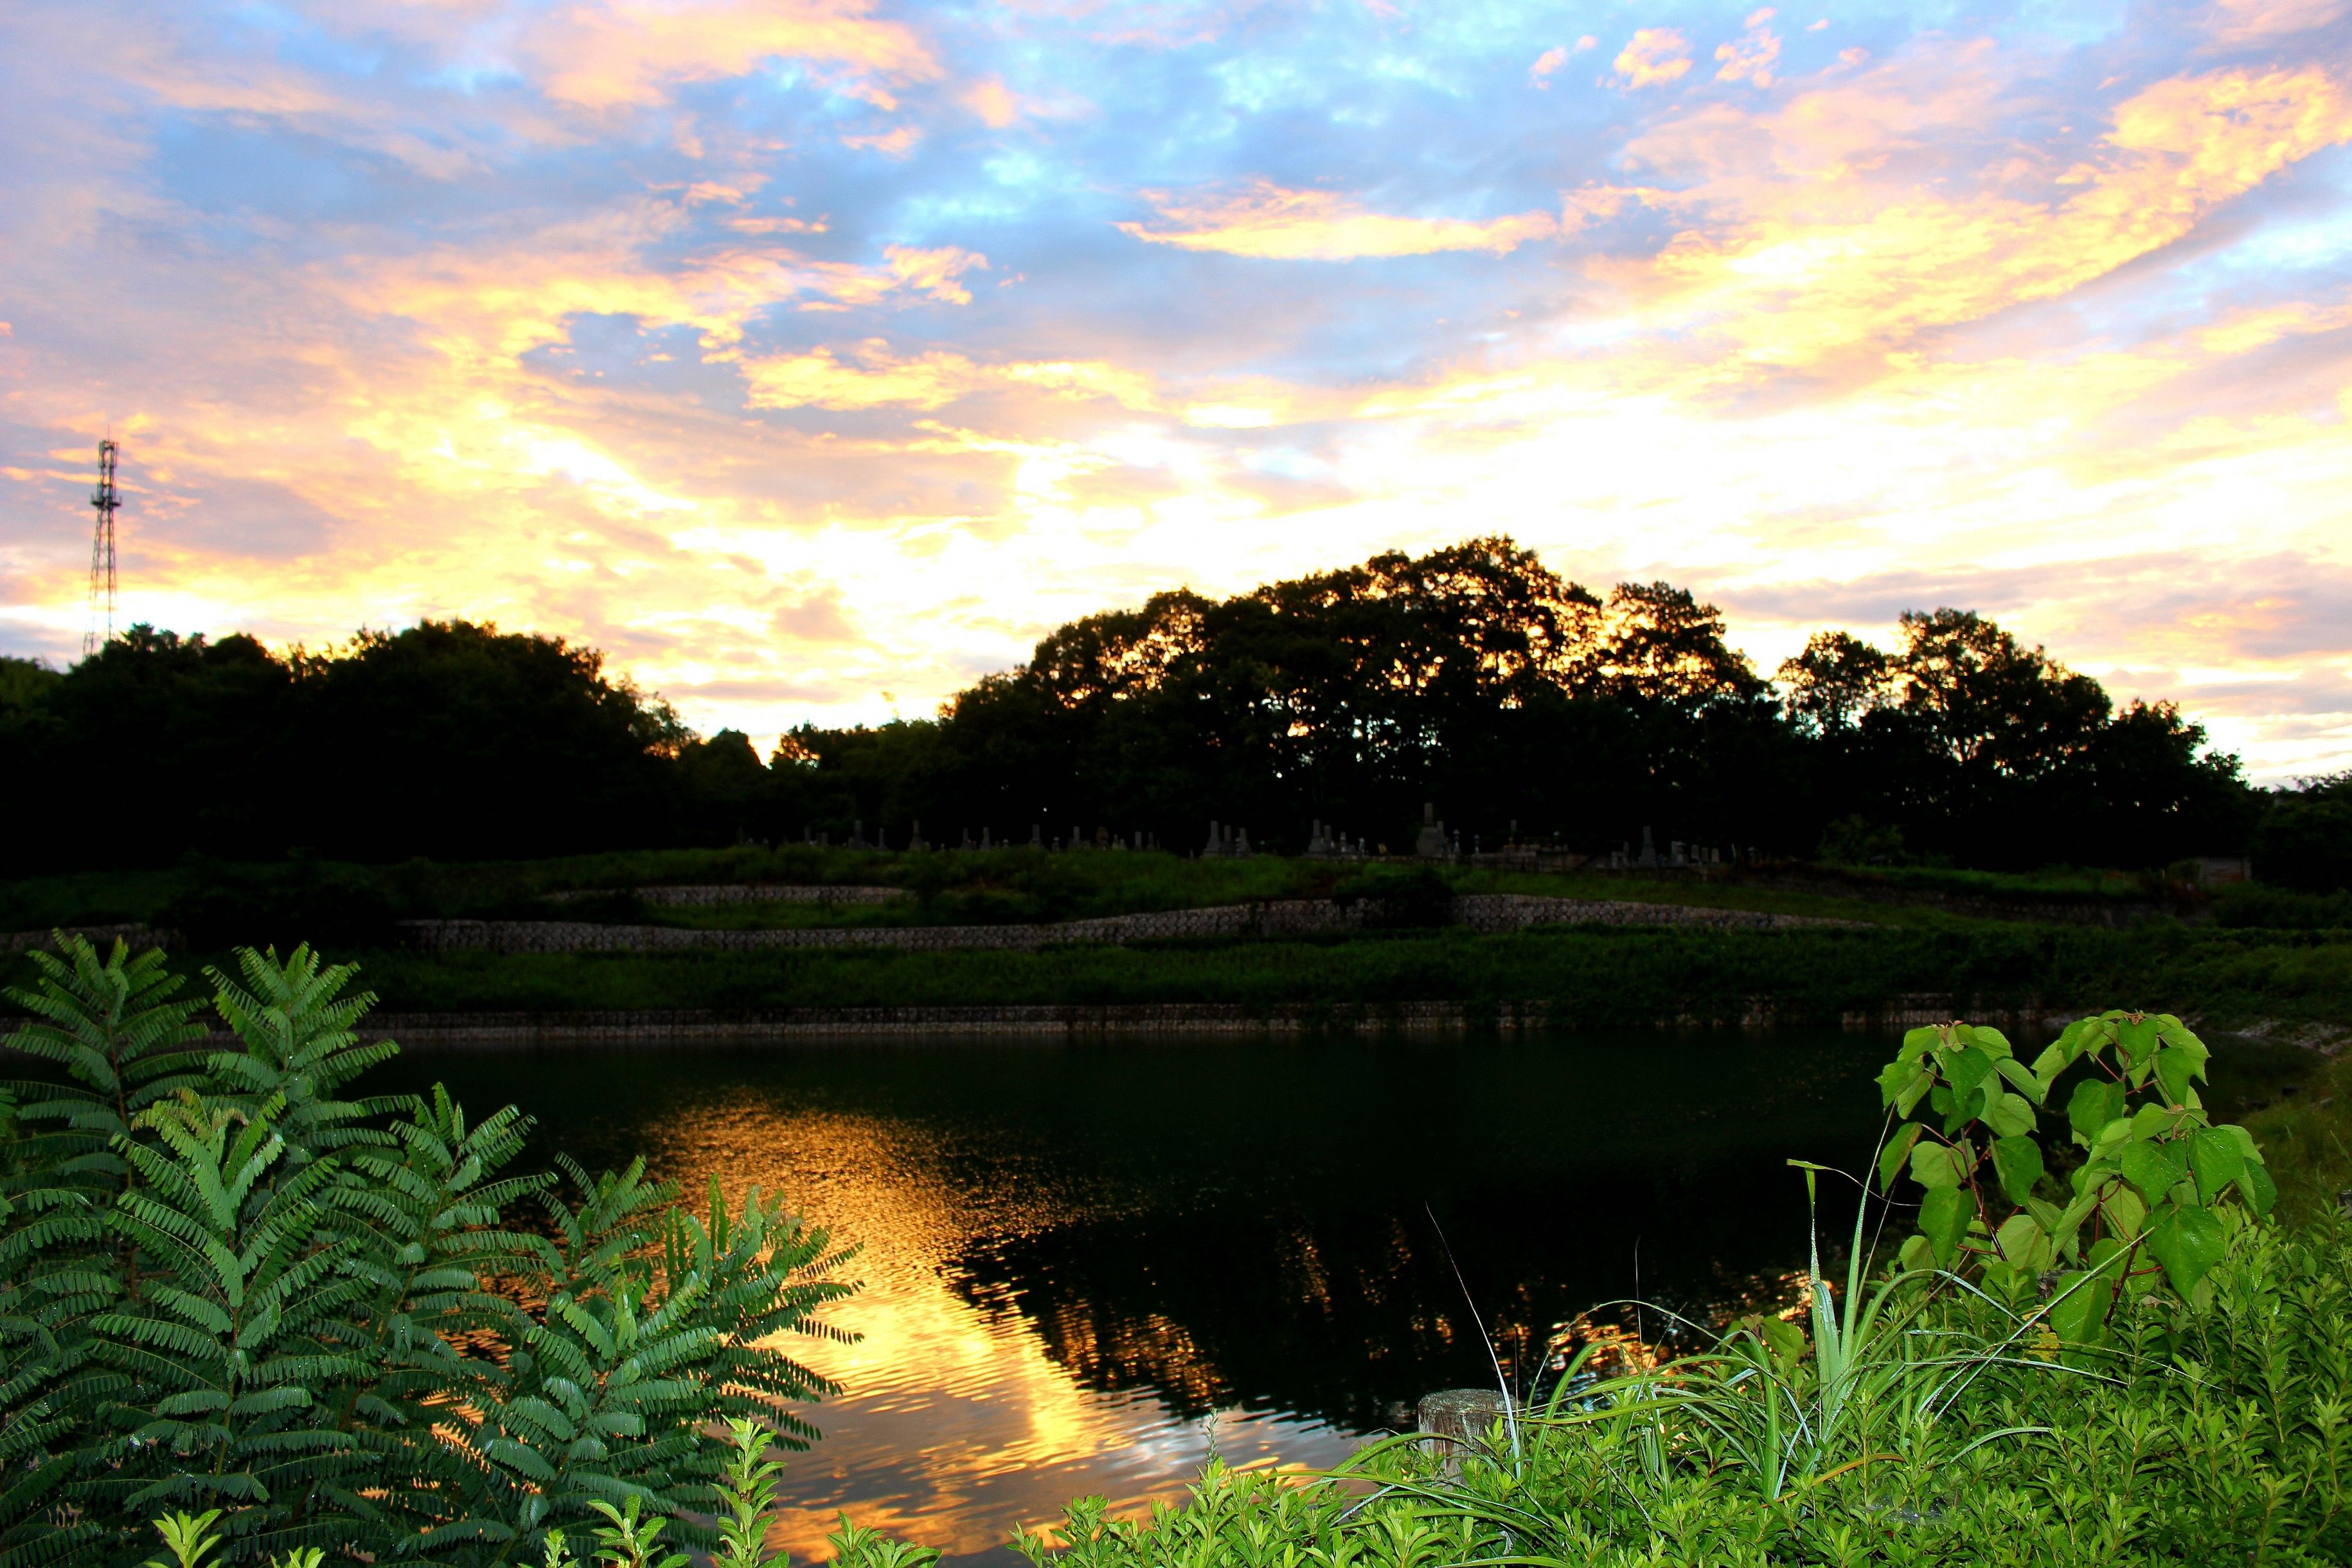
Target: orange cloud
{"x": 616, "y": 53}
{"x": 1655, "y": 55}
{"x": 2251, "y": 21}
{"x": 1798, "y": 269}
{"x": 875, "y": 377}
{"x": 993, "y": 102}
{"x": 1750, "y": 57}
{"x": 1267, "y": 220}
{"x": 896, "y": 143}
{"x": 934, "y": 272}
{"x": 1551, "y": 60}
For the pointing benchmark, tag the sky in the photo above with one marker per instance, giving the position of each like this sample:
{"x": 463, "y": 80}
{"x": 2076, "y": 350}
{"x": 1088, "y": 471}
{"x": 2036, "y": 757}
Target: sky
{"x": 814, "y": 357}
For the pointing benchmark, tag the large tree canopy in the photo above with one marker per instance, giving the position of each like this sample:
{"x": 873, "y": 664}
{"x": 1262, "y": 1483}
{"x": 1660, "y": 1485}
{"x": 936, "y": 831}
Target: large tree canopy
{"x": 1472, "y": 678}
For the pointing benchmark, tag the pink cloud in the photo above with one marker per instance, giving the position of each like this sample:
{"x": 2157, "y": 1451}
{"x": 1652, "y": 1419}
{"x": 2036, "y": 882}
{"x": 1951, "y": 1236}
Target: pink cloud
{"x": 1653, "y": 57}
{"x": 1264, "y": 219}
{"x": 1750, "y": 57}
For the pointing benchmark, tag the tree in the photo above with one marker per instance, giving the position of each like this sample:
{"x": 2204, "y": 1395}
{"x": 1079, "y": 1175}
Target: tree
{"x": 2305, "y": 839}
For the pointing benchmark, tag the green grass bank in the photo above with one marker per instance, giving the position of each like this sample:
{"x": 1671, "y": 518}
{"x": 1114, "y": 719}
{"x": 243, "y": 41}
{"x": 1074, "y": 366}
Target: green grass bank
{"x": 1613, "y": 977}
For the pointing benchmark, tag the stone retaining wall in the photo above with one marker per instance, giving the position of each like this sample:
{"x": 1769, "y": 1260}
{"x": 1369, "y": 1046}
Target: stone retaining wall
{"x": 653, "y": 1027}
{"x": 738, "y": 893}
{"x": 661, "y": 1028}
{"x": 138, "y": 937}
{"x": 1288, "y": 917}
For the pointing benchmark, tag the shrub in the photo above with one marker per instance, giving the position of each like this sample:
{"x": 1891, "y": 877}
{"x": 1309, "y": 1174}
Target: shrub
{"x": 224, "y": 1286}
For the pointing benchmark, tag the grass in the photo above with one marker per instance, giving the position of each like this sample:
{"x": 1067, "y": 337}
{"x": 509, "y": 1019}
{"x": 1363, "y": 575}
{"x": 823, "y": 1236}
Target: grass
{"x": 1016, "y": 884}
{"x": 1594, "y": 977}
{"x": 2306, "y": 1138}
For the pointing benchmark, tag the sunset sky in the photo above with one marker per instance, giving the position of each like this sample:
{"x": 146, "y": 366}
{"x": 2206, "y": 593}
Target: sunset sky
{"x": 813, "y": 356}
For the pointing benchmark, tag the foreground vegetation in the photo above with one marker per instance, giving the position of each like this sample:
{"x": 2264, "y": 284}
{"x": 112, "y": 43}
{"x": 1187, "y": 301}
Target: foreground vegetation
{"x": 341, "y": 1323}
{"x": 247, "y": 1320}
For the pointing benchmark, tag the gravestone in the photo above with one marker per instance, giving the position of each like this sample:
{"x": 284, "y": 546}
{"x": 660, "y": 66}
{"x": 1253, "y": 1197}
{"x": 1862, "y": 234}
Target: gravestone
{"x": 1431, "y": 844}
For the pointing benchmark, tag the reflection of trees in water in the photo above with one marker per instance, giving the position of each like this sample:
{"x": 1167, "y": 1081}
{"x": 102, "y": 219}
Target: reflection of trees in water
{"x": 1352, "y": 1312}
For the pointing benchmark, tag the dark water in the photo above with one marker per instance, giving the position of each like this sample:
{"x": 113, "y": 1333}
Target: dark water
{"x": 1088, "y": 1263}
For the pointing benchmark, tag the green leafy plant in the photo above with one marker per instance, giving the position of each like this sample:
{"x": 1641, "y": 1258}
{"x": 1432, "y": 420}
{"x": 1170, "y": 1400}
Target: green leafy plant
{"x": 232, "y": 1287}
{"x": 2156, "y": 1194}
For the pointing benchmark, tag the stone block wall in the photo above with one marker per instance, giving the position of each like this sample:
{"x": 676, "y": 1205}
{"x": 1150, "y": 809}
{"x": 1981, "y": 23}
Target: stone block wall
{"x": 137, "y": 937}
{"x": 1285, "y": 917}
{"x": 685, "y": 897}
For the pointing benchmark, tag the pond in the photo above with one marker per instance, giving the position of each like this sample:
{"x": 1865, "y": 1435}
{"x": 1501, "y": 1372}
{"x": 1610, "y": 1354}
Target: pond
{"x": 1087, "y": 1264}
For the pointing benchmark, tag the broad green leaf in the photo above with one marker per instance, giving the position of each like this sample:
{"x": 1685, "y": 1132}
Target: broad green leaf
{"x": 1893, "y": 1079}
{"x": 1936, "y": 1166}
{"x": 2024, "y": 1082}
{"x": 2008, "y": 1116}
{"x": 1991, "y": 1042}
{"x": 2216, "y": 1161}
{"x": 2054, "y": 1059}
{"x": 1944, "y": 1216}
{"x": 2189, "y": 1243}
{"x": 2174, "y": 1069}
{"x": 1916, "y": 1253}
{"x": 2137, "y": 1039}
{"x": 2153, "y": 1122}
{"x": 2096, "y": 1102}
{"x": 2124, "y": 1213}
{"x": 2066, "y": 1227}
{"x": 2023, "y": 1243}
{"x": 2261, "y": 1192}
{"x": 2145, "y": 1167}
{"x": 1919, "y": 1042}
{"x": 1965, "y": 1068}
{"x": 2018, "y": 1163}
{"x": 1786, "y": 1339}
{"x": 1897, "y": 1150}
{"x": 2078, "y": 1308}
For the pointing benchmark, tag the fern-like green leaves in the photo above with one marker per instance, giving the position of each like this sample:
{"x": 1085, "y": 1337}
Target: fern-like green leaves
{"x": 279, "y": 1323}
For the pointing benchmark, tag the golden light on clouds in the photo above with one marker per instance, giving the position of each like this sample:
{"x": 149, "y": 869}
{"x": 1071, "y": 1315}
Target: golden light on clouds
{"x": 1265, "y": 220}
{"x": 794, "y": 352}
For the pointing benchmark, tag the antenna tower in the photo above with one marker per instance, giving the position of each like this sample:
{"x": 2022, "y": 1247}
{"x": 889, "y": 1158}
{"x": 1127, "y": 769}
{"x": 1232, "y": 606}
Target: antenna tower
{"x": 105, "y": 498}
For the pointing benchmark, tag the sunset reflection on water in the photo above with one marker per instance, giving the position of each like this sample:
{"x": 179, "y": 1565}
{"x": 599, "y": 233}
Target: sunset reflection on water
{"x": 1088, "y": 1262}
{"x": 955, "y": 1425}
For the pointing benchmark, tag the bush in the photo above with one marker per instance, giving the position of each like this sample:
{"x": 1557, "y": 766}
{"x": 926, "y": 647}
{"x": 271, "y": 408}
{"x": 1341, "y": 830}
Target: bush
{"x": 225, "y": 1286}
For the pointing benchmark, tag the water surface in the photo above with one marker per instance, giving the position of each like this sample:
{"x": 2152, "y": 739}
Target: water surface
{"x": 1087, "y": 1263}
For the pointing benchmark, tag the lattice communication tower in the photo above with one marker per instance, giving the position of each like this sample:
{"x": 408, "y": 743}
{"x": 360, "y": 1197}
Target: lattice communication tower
{"x": 105, "y": 498}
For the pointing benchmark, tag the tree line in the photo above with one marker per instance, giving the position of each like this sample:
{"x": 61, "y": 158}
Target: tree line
{"x": 1474, "y": 679}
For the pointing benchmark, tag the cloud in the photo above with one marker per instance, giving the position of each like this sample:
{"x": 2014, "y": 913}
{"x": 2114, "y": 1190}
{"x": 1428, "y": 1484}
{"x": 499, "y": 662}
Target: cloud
{"x": 994, "y": 103}
{"x": 468, "y": 309}
{"x": 630, "y": 53}
{"x": 876, "y": 377}
{"x": 934, "y": 272}
{"x": 2241, "y": 22}
{"x": 1750, "y": 57}
{"x": 895, "y": 143}
{"x": 1653, "y": 57}
{"x": 1264, "y": 219}
{"x": 1796, "y": 268}
{"x": 1551, "y": 60}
